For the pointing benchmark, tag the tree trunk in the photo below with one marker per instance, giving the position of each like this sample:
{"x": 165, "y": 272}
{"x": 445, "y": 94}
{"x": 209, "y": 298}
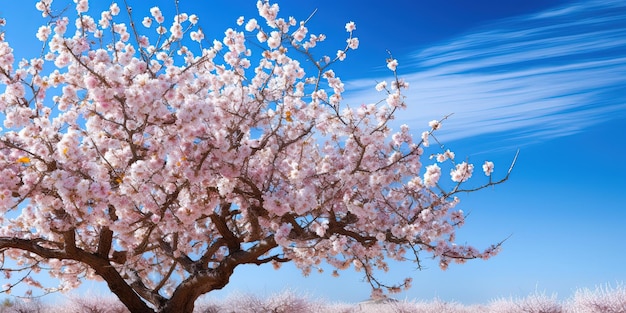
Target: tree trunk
{"x": 122, "y": 290}
{"x": 181, "y": 305}
{"x": 184, "y": 298}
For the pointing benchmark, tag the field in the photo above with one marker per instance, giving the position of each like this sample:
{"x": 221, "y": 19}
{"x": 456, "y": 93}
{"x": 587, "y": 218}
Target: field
{"x": 600, "y": 300}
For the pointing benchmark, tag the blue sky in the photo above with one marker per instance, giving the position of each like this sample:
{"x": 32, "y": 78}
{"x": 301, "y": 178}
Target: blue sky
{"x": 545, "y": 77}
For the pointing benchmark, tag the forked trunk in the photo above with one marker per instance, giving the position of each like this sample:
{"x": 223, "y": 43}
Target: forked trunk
{"x": 179, "y": 306}
{"x": 184, "y": 303}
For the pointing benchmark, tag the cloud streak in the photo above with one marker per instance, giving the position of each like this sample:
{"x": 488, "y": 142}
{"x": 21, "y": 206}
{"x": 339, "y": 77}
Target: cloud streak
{"x": 534, "y": 77}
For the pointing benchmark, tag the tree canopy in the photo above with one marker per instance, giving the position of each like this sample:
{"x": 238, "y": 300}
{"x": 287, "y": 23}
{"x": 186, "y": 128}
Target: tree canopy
{"x": 141, "y": 153}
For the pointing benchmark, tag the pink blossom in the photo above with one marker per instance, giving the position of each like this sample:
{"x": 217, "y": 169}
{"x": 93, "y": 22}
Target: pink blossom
{"x": 320, "y": 228}
{"x": 82, "y": 6}
{"x": 193, "y": 19}
{"x": 105, "y": 18}
{"x": 381, "y": 86}
{"x": 432, "y": 175}
{"x": 147, "y": 22}
{"x": 350, "y": 27}
{"x": 488, "y": 168}
{"x": 442, "y": 157}
{"x": 196, "y": 35}
{"x": 261, "y": 36}
{"x": 251, "y": 25}
{"x": 282, "y": 234}
{"x": 161, "y": 30}
{"x": 297, "y": 35}
{"x": 341, "y": 55}
{"x": 462, "y": 172}
{"x": 274, "y": 41}
{"x": 114, "y": 9}
{"x": 392, "y": 64}
{"x": 353, "y": 43}
{"x": 395, "y": 100}
{"x": 425, "y": 136}
{"x": 61, "y": 26}
{"x": 43, "y": 6}
{"x": 44, "y": 32}
{"x": 449, "y": 154}
{"x": 181, "y": 18}
{"x": 156, "y": 12}
{"x": 268, "y": 11}
{"x": 177, "y": 31}
{"x": 434, "y": 124}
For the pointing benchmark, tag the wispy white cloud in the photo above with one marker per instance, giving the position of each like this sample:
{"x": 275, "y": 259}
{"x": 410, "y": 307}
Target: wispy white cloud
{"x": 549, "y": 74}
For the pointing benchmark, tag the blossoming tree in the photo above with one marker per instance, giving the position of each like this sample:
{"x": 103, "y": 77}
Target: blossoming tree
{"x": 157, "y": 161}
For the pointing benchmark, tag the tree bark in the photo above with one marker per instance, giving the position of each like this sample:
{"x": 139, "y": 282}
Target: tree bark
{"x": 99, "y": 264}
{"x": 122, "y": 290}
{"x": 184, "y": 298}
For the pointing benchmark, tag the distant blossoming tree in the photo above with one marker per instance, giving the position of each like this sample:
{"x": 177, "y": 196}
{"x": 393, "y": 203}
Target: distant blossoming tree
{"x": 145, "y": 156}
